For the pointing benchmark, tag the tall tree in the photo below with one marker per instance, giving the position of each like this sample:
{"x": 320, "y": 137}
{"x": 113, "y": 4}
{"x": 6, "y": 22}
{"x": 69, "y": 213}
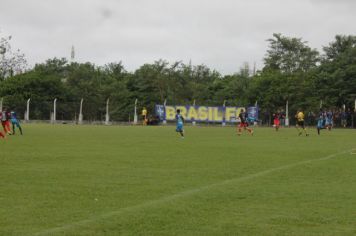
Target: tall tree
{"x": 11, "y": 62}
{"x": 336, "y": 76}
{"x": 290, "y": 55}
{"x": 340, "y": 45}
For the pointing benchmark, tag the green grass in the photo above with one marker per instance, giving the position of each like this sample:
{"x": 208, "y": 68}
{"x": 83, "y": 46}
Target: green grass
{"x": 98, "y": 180}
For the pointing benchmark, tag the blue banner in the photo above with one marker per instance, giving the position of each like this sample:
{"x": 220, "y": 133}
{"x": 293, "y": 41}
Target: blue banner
{"x": 252, "y": 114}
{"x": 205, "y": 113}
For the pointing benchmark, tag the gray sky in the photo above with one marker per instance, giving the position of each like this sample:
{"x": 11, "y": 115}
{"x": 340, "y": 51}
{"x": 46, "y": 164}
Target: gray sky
{"x": 223, "y": 34}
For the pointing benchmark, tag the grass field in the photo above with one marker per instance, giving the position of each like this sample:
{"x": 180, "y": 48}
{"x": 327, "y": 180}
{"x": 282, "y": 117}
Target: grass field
{"x": 98, "y": 180}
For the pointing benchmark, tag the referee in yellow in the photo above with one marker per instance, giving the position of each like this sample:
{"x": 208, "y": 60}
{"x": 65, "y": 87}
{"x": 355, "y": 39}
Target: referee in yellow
{"x": 144, "y": 116}
{"x": 300, "y": 122}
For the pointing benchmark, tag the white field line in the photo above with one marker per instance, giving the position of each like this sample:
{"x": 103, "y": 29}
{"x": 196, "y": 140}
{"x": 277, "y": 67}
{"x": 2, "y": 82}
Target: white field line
{"x": 179, "y": 195}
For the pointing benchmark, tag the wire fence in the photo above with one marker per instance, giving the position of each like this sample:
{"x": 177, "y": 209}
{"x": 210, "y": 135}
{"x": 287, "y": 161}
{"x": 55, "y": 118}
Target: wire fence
{"x": 69, "y": 111}
{"x": 95, "y": 113}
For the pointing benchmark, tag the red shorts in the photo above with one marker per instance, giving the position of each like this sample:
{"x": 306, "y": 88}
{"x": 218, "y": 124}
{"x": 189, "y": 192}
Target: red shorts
{"x": 243, "y": 124}
{"x": 276, "y": 122}
{"x": 6, "y": 125}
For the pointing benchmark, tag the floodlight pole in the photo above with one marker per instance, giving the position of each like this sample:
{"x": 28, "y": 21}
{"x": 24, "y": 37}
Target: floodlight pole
{"x": 224, "y": 119}
{"x": 135, "y": 112}
{"x": 27, "y": 118}
{"x": 164, "y": 107}
{"x": 80, "y": 120}
{"x": 107, "y": 117}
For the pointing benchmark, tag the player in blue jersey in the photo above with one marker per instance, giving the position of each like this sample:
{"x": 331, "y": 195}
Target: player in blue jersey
{"x": 15, "y": 122}
{"x": 321, "y": 121}
{"x": 329, "y": 120}
{"x": 180, "y": 122}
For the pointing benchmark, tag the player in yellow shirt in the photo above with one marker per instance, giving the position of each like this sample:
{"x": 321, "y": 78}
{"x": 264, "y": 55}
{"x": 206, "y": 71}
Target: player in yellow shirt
{"x": 300, "y": 122}
{"x": 144, "y": 116}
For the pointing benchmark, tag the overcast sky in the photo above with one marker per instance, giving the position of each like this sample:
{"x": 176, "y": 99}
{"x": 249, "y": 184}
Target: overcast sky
{"x": 223, "y": 34}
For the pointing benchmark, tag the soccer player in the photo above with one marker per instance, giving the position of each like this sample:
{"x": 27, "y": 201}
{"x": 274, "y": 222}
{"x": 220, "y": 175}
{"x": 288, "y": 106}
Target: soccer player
{"x": 15, "y": 122}
{"x": 343, "y": 119}
{"x": 329, "y": 120}
{"x": 276, "y": 121}
{"x": 5, "y": 121}
{"x": 243, "y": 123}
{"x": 144, "y": 116}
{"x": 300, "y": 122}
{"x": 180, "y": 122}
{"x": 1, "y": 134}
{"x": 321, "y": 121}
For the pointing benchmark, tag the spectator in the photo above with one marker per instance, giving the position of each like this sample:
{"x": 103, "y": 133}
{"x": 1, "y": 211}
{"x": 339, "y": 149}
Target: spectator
{"x": 343, "y": 117}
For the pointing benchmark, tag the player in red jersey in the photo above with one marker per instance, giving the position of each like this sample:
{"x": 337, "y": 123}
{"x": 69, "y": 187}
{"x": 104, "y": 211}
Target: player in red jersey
{"x": 5, "y": 121}
{"x": 243, "y": 124}
{"x": 1, "y": 134}
{"x": 276, "y": 121}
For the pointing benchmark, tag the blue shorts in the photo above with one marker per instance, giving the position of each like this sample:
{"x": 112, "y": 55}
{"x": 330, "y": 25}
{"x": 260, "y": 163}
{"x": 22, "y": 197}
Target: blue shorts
{"x": 179, "y": 127}
{"x": 320, "y": 124}
{"x": 15, "y": 122}
{"x": 328, "y": 122}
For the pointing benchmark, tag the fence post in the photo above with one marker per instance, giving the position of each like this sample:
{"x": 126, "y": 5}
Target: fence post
{"x": 164, "y": 107}
{"x": 224, "y": 119}
{"x": 27, "y": 117}
{"x": 80, "y": 120}
{"x": 135, "y": 112}
{"x": 107, "y": 117}
{"x": 54, "y": 110}
{"x": 193, "y": 121}
{"x": 287, "y": 116}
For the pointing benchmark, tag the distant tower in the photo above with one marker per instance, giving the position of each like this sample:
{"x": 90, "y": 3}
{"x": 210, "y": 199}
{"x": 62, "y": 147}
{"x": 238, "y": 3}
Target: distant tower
{"x": 72, "y": 54}
{"x": 190, "y": 67}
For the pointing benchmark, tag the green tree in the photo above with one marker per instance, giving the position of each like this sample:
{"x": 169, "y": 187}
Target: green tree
{"x": 336, "y": 76}
{"x": 11, "y": 62}
{"x": 290, "y": 55}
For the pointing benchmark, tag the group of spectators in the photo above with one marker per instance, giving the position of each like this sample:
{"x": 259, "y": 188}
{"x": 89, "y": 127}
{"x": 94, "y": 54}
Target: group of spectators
{"x": 149, "y": 119}
{"x": 340, "y": 118}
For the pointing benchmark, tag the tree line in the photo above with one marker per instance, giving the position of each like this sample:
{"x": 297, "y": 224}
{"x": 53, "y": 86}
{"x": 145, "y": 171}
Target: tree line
{"x": 292, "y": 71}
